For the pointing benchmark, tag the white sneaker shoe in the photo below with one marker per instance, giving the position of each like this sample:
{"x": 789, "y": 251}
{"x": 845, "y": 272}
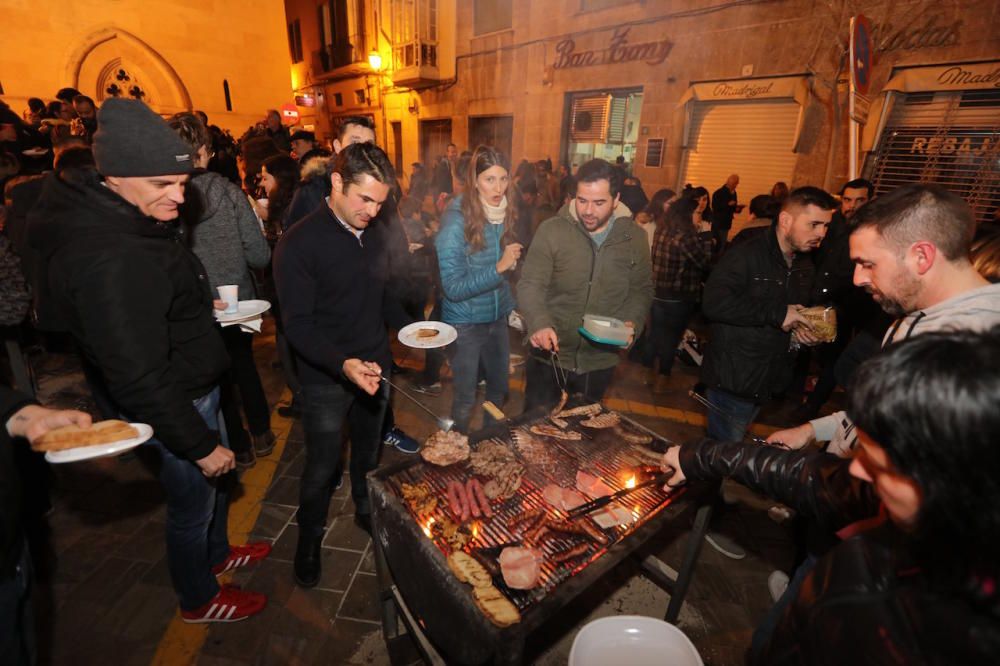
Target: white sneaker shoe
{"x": 725, "y": 545}
{"x": 777, "y": 583}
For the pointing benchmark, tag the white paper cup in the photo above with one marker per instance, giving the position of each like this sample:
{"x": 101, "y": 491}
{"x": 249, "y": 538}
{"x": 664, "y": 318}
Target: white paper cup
{"x": 230, "y": 293}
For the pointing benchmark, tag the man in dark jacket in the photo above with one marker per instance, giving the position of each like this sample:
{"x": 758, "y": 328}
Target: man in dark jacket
{"x": 914, "y": 579}
{"x": 138, "y": 303}
{"x": 21, "y": 418}
{"x": 724, "y": 206}
{"x": 331, "y": 273}
{"x": 751, "y": 300}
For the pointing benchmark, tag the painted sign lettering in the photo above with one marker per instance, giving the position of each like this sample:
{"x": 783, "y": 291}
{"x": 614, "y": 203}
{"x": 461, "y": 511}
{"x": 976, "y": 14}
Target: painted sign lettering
{"x": 745, "y": 91}
{"x": 959, "y": 76}
{"x": 949, "y": 145}
{"x": 888, "y": 37}
{"x": 619, "y": 51}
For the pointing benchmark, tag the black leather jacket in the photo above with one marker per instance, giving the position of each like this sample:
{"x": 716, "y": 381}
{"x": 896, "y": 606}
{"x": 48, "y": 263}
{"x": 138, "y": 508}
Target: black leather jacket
{"x": 865, "y": 602}
{"x": 746, "y": 299}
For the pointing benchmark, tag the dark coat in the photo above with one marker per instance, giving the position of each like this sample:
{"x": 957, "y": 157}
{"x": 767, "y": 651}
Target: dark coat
{"x": 745, "y": 300}
{"x": 867, "y": 601}
{"x": 137, "y": 301}
{"x": 11, "y": 535}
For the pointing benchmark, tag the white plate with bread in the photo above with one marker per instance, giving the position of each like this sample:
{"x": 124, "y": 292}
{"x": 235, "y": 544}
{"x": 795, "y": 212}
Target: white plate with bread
{"x": 104, "y": 438}
{"x": 427, "y": 334}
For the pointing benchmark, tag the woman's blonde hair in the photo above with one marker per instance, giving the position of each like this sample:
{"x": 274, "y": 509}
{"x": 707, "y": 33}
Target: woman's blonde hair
{"x": 483, "y": 158}
{"x": 985, "y": 256}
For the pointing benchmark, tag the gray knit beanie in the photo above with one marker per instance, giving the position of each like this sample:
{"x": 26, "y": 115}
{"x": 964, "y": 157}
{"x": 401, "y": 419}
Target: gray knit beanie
{"x": 132, "y": 140}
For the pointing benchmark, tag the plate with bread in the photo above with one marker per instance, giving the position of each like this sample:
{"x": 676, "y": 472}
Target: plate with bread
{"x": 104, "y": 438}
{"x": 427, "y": 334}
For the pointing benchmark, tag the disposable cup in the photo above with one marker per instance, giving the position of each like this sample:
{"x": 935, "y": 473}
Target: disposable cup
{"x": 230, "y": 293}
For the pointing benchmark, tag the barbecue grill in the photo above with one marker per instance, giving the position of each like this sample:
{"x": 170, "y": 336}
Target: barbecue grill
{"x": 439, "y": 610}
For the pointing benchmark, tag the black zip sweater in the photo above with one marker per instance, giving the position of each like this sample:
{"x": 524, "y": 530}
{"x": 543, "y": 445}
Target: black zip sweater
{"x": 137, "y": 301}
{"x": 332, "y": 289}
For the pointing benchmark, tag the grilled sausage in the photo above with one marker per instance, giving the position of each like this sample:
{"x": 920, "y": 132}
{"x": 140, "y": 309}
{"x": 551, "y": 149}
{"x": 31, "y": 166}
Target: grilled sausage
{"x": 476, "y": 488}
{"x": 593, "y": 532}
{"x": 570, "y": 553}
{"x": 535, "y": 532}
{"x": 470, "y": 495}
{"x": 453, "y": 502}
{"x": 526, "y": 518}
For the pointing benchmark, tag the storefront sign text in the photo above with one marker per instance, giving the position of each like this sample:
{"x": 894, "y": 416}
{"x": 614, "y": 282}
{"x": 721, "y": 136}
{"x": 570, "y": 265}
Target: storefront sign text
{"x": 959, "y": 76}
{"x": 619, "y": 51}
{"x": 949, "y": 145}
{"x": 744, "y": 91}
{"x": 887, "y": 37}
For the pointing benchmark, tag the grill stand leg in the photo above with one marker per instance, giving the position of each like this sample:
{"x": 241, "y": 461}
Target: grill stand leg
{"x": 677, "y": 582}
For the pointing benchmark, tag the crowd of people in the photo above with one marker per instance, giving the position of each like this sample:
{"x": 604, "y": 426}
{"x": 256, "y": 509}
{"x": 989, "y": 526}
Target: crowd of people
{"x": 120, "y": 226}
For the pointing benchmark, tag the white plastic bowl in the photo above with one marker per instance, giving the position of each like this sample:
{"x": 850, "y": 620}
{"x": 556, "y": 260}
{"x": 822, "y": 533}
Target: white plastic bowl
{"x": 634, "y": 640}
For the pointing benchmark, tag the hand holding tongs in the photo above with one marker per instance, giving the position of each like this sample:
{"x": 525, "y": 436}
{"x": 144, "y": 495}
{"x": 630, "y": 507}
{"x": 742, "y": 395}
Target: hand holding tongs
{"x": 732, "y": 419}
{"x": 601, "y": 502}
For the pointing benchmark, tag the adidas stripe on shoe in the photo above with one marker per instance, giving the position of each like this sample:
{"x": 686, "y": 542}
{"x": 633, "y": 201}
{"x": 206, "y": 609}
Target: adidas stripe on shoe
{"x": 230, "y": 604}
{"x": 240, "y": 556}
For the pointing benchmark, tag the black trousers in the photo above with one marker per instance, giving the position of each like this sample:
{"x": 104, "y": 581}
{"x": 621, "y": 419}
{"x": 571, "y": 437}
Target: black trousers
{"x": 242, "y": 375}
{"x": 542, "y": 389}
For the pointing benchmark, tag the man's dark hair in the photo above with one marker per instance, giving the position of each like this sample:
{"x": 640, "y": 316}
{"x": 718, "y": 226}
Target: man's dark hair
{"x": 67, "y": 94}
{"x": 190, "y": 128}
{"x": 857, "y": 184}
{"x": 527, "y": 185}
{"x": 598, "y": 169}
{"x": 809, "y": 195}
{"x": 361, "y": 121}
{"x": 83, "y": 99}
{"x": 764, "y": 206}
{"x": 36, "y": 105}
{"x": 360, "y": 159}
{"x": 75, "y": 157}
{"x": 931, "y": 403}
{"x": 920, "y": 213}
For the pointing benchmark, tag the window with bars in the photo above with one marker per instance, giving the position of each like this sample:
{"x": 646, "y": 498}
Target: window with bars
{"x": 951, "y": 139}
{"x": 414, "y": 25}
{"x": 295, "y": 40}
{"x": 341, "y": 33}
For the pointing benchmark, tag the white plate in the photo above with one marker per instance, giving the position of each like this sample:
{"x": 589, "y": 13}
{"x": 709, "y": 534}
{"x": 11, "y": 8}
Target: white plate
{"x": 446, "y": 335}
{"x": 101, "y": 450}
{"x": 633, "y": 640}
{"x": 247, "y": 310}
{"x": 35, "y": 152}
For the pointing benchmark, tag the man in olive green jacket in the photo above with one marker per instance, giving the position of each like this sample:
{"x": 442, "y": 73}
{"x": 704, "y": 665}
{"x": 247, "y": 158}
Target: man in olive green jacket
{"x": 591, "y": 258}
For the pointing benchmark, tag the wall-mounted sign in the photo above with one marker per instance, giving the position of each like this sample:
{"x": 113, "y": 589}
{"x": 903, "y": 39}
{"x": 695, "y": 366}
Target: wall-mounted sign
{"x": 619, "y": 51}
{"x": 965, "y": 76}
{"x": 305, "y": 100}
{"x": 654, "y": 153}
{"x": 929, "y": 34}
{"x": 859, "y": 108}
{"x": 783, "y": 86}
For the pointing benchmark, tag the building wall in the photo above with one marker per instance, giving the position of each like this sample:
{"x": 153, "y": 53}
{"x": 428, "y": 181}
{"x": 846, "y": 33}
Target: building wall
{"x": 179, "y": 51}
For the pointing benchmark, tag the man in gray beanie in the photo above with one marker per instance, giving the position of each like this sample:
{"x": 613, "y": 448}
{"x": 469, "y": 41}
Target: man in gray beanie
{"x": 139, "y": 304}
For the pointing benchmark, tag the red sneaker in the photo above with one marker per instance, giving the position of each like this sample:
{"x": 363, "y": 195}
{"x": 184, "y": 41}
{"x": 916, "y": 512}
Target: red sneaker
{"x": 240, "y": 556}
{"x": 231, "y": 604}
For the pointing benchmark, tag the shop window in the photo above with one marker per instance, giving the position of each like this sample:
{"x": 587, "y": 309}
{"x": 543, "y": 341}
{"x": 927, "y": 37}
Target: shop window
{"x": 492, "y": 16}
{"x": 414, "y": 33}
{"x": 295, "y": 40}
{"x": 604, "y": 125}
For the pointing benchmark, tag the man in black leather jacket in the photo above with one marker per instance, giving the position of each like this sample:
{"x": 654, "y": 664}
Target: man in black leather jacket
{"x": 915, "y": 579}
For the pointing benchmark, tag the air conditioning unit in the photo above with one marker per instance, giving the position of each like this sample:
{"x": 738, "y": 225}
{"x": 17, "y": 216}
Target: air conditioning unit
{"x": 589, "y": 119}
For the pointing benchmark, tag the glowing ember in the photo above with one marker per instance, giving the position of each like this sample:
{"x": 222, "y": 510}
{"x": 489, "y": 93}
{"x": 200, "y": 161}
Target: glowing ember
{"x": 475, "y": 530}
{"x": 427, "y": 526}
{"x": 635, "y": 513}
{"x": 631, "y": 482}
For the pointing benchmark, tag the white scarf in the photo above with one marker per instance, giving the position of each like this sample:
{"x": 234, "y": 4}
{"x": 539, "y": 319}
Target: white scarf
{"x": 495, "y": 214}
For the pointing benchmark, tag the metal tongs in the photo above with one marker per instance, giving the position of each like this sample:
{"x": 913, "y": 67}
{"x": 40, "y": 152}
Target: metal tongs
{"x": 558, "y": 370}
{"x": 732, "y": 419}
{"x": 601, "y": 502}
{"x": 443, "y": 423}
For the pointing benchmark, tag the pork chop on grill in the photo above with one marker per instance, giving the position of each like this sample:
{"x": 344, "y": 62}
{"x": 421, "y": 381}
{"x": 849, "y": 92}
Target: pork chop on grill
{"x": 521, "y": 567}
{"x": 445, "y": 448}
{"x": 592, "y": 486}
{"x": 547, "y": 430}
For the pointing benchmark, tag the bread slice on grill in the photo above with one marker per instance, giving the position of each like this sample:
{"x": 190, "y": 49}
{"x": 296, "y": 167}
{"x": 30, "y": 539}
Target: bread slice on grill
{"x": 73, "y": 436}
{"x": 497, "y": 608}
{"x": 468, "y": 570}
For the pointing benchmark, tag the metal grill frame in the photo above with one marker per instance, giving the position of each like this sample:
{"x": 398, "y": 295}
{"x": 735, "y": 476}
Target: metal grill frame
{"x": 438, "y": 610}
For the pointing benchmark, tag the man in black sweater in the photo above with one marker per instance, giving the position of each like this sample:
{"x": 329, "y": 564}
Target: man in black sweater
{"x": 331, "y": 273}
{"x": 724, "y": 206}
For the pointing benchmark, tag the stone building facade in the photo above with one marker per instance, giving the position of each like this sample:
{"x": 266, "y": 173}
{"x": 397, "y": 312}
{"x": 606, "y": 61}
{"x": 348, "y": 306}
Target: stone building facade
{"x": 228, "y": 58}
{"x": 686, "y": 91}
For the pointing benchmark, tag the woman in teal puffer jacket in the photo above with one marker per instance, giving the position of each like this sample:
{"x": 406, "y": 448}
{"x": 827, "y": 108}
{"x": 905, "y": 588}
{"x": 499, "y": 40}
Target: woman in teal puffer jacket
{"x": 475, "y": 250}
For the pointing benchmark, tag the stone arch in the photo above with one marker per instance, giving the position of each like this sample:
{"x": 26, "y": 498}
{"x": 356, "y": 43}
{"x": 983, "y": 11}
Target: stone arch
{"x": 106, "y": 50}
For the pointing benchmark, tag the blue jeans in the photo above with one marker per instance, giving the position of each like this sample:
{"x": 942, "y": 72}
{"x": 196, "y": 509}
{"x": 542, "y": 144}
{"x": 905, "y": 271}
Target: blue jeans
{"x": 486, "y": 345}
{"x": 326, "y": 407}
{"x": 17, "y": 625}
{"x": 197, "y": 515}
{"x": 667, "y": 322}
{"x": 741, "y": 411}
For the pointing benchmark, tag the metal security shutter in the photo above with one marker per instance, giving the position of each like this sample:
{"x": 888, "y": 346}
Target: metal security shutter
{"x": 751, "y": 139}
{"x": 951, "y": 139}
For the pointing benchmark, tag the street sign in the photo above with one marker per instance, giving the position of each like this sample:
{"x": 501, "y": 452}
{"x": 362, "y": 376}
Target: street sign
{"x": 860, "y": 106}
{"x": 861, "y": 53}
